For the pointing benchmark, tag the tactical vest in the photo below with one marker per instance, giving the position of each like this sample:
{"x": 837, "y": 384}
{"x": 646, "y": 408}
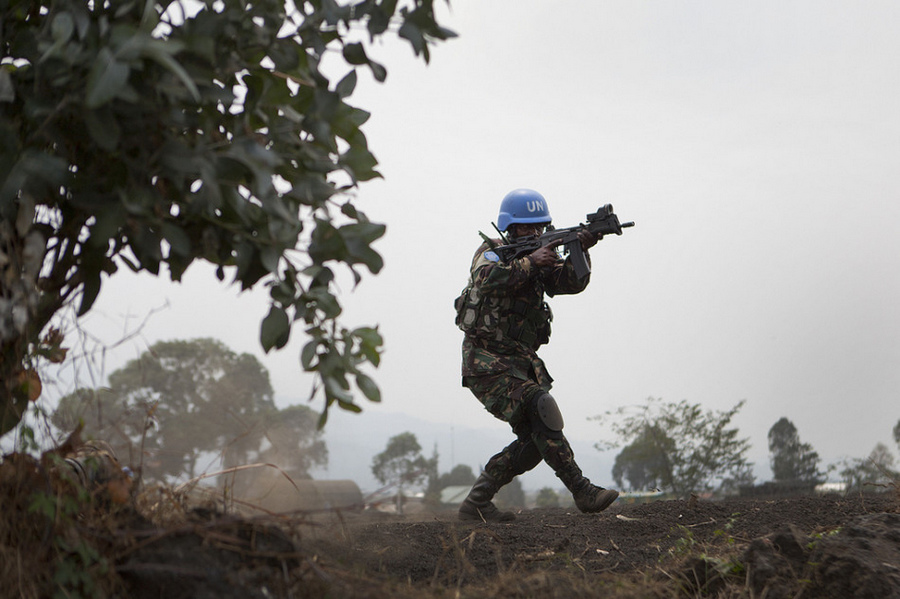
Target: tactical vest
{"x": 506, "y": 318}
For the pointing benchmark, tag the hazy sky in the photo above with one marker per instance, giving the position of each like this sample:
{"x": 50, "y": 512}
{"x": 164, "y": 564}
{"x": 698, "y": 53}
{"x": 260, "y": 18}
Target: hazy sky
{"x": 757, "y": 147}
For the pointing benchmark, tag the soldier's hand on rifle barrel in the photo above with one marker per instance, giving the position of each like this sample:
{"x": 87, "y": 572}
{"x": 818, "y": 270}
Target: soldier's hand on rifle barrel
{"x": 544, "y": 256}
{"x": 588, "y": 239}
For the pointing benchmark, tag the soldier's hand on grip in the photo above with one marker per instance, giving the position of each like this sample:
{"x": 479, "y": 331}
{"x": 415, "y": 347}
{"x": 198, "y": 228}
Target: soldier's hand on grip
{"x": 544, "y": 256}
{"x": 588, "y": 239}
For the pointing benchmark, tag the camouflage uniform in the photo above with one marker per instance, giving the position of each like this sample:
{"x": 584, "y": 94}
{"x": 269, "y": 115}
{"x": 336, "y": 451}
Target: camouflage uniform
{"x": 505, "y": 319}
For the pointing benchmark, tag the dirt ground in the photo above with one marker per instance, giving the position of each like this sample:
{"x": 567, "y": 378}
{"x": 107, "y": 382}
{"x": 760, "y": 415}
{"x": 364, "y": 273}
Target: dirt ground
{"x": 700, "y": 547}
{"x": 624, "y": 538}
{"x": 158, "y": 546}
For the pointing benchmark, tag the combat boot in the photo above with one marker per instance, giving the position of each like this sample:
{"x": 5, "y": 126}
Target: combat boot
{"x": 589, "y": 498}
{"x": 477, "y": 506}
{"x": 592, "y": 499}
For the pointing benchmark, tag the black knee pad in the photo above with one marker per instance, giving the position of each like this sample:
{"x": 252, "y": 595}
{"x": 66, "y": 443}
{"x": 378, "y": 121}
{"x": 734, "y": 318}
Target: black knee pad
{"x": 545, "y": 417}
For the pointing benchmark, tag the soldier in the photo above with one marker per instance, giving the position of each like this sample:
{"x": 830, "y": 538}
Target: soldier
{"x": 505, "y": 319}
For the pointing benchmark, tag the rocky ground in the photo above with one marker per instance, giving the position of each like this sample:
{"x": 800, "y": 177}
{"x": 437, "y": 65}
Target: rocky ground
{"x": 54, "y": 543}
{"x": 827, "y": 546}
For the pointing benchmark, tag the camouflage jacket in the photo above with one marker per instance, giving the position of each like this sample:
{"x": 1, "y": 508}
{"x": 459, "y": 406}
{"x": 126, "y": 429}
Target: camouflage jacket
{"x": 504, "y": 316}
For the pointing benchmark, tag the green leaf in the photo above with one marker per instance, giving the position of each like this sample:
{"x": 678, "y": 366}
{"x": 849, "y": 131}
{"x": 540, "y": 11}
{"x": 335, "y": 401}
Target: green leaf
{"x": 91, "y": 268}
{"x": 360, "y": 163}
{"x": 179, "y": 241}
{"x": 358, "y": 239}
{"x": 334, "y": 390}
{"x": 275, "y": 330}
{"x": 35, "y": 172}
{"x": 7, "y": 91}
{"x": 379, "y": 20}
{"x": 309, "y": 353}
{"x": 368, "y": 387}
{"x": 159, "y": 51}
{"x": 355, "y": 53}
{"x": 106, "y": 79}
{"x": 378, "y": 71}
{"x": 62, "y": 27}
{"x": 103, "y": 128}
{"x": 346, "y": 85}
{"x": 326, "y": 243}
{"x": 322, "y": 300}
{"x": 349, "y": 406}
{"x": 370, "y": 343}
{"x": 413, "y": 34}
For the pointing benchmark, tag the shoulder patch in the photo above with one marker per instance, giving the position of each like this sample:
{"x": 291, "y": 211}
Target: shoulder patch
{"x": 491, "y": 256}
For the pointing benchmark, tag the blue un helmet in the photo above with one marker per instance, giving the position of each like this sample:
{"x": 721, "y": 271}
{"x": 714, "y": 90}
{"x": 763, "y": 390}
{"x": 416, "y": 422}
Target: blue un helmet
{"x": 522, "y": 206}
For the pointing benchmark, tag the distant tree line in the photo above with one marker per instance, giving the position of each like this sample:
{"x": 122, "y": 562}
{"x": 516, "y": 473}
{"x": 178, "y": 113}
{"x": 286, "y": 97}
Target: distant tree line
{"x": 401, "y": 467}
{"x": 186, "y": 402}
{"x": 679, "y": 448}
{"x": 183, "y": 407}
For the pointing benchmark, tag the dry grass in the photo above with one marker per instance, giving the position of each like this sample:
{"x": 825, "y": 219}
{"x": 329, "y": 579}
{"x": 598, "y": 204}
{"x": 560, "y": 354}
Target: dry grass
{"x": 55, "y": 536}
{"x": 52, "y": 533}
{"x": 77, "y": 544}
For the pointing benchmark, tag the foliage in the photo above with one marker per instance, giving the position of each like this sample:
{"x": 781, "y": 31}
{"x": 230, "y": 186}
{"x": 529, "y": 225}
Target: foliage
{"x": 546, "y": 497}
{"x": 511, "y": 494}
{"x": 294, "y": 441}
{"x": 49, "y": 543}
{"x": 461, "y": 475}
{"x": 152, "y": 134}
{"x": 402, "y": 464}
{"x": 642, "y": 462}
{"x": 878, "y": 469}
{"x": 181, "y": 399}
{"x": 696, "y": 450}
{"x": 792, "y": 460}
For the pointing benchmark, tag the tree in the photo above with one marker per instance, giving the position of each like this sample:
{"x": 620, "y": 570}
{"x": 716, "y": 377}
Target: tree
{"x": 873, "y": 471}
{"x": 461, "y": 475}
{"x": 153, "y": 134}
{"x": 511, "y": 494}
{"x": 792, "y": 461}
{"x": 546, "y": 497}
{"x": 401, "y": 464}
{"x": 643, "y": 461}
{"x": 181, "y": 400}
{"x": 681, "y": 447}
{"x": 294, "y": 441}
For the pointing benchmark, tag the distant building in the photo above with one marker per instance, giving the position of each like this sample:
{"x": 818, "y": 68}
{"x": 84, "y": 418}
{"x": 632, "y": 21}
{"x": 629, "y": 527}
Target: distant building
{"x": 454, "y": 494}
{"x": 831, "y": 488}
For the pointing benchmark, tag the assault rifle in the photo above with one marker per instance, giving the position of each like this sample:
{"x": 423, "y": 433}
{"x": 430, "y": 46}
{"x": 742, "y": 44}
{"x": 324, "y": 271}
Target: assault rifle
{"x": 600, "y": 223}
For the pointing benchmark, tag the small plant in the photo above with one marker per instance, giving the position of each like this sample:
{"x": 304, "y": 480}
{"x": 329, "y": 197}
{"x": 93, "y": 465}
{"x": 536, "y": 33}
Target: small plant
{"x": 686, "y": 543}
{"x": 703, "y": 571}
{"x": 725, "y": 531}
{"x": 78, "y": 568}
{"x": 821, "y": 535}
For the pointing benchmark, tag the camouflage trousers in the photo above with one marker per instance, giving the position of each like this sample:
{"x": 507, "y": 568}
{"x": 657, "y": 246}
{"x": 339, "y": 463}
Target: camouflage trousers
{"x": 508, "y": 399}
